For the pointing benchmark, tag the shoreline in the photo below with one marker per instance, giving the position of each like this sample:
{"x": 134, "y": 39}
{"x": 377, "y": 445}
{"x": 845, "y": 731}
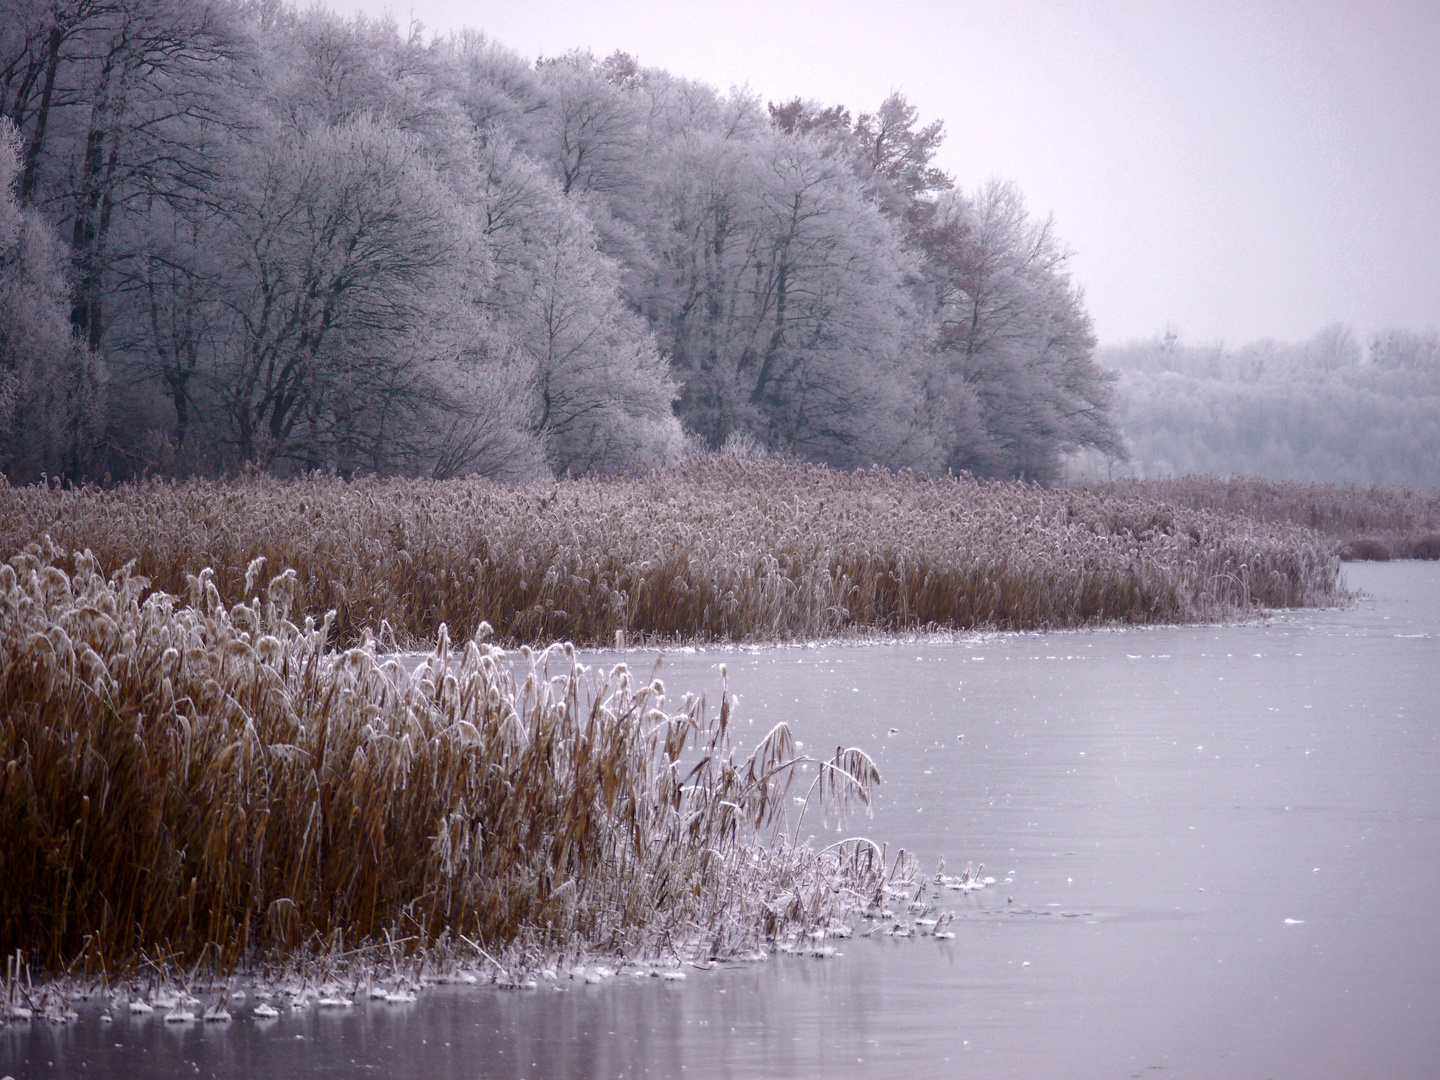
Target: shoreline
{"x": 713, "y": 550}
{"x": 204, "y": 773}
{"x": 268, "y": 989}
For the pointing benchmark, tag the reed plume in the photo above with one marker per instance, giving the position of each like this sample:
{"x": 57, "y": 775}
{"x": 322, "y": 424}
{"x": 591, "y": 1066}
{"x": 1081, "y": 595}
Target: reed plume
{"x": 197, "y": 780}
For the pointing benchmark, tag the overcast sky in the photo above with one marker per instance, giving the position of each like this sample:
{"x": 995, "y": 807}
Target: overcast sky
{"x": 1229, "y": 171}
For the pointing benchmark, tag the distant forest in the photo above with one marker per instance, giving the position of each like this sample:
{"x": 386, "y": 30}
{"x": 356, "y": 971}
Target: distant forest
{"x": 1325, "y": 409}
{"x": 241, "y": 235}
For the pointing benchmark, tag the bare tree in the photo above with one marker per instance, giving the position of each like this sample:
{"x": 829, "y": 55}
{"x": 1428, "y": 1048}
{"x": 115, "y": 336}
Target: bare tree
{"x": 113, "y": 99}
{"x": 50, "y": 385}
{"x": 339, "y": 243}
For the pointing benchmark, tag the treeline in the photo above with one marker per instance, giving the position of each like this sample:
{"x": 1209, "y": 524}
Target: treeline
{"x": 1326, "y": 409}
{"x": 239, "y": 234}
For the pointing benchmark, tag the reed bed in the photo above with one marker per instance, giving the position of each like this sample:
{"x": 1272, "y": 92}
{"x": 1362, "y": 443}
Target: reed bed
{"x": 1359, "y": 522}
{"x": 714, "y": 549}
{"x": 210, "y": 783}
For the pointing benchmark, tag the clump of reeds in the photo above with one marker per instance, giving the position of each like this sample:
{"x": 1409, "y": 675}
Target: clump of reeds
{"x": 714, "y": 549}
{"x": 1364, "y": 550}
{"x": 194, "y": 780}
{"x": 1426, "y": 547}
{"x": 1360, "y": 522}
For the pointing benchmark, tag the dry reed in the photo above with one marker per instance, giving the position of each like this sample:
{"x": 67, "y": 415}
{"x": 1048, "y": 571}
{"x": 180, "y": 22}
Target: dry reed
{"x": 1359, "y": 522}
{"x": 712, "y": 550}
{"x": 206, "y": 779}
{"x": 205, "y": 782}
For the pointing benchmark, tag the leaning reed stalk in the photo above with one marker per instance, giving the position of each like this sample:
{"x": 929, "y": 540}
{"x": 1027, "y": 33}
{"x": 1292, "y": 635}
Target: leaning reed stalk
{"x": 711, "y": 550}
{"x": 201, "y": 781}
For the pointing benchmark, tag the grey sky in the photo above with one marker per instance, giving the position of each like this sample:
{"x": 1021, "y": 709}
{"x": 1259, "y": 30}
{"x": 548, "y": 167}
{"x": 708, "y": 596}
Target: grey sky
{"x": 1228, "y": 170}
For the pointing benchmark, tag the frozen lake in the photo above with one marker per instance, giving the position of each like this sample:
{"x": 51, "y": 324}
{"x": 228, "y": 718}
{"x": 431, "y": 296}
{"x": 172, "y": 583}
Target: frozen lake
{"x": 1225, "y": 845}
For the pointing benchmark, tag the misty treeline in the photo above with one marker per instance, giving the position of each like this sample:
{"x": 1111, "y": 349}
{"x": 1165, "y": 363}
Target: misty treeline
{"x": 1326, "y": 409}
{"x": 243, "y": 235}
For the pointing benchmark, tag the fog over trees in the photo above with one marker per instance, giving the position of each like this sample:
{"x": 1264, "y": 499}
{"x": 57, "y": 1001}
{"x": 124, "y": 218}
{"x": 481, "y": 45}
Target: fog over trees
{"x": 242, "y": 234}
{"x": 1330, "y": 408}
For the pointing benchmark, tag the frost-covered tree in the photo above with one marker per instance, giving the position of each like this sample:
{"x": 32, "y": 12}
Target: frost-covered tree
{"x": 892, "y": 155}
{"x": 115, "y": 101}
{"x": 898, "y": 154}
{"x": 493, "y": 86}
{"x": 781, "y": 298}
{"x": 589, "y": 128}
{"x": 1319, "y": 409}
{"x": 1007, "y": 386}
{"x": 50, "y": 385}
{"x": 1014, "y": 342}
{"x": 1409, "y": 351}
{"x": 299, "y": 240}
{"x": 602, "y": 391}
{"x": 335, "y": 247}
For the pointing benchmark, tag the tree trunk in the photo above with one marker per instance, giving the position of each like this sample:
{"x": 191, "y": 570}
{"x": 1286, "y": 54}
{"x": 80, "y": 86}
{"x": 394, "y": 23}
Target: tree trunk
{"x": 42, "y": 115}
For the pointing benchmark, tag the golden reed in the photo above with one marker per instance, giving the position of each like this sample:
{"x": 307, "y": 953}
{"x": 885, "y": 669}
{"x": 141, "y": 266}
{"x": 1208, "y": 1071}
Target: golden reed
{"x": 193, "y": 771}
{"x": 711, "y": 550}
{"x": 197, "y": 781}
